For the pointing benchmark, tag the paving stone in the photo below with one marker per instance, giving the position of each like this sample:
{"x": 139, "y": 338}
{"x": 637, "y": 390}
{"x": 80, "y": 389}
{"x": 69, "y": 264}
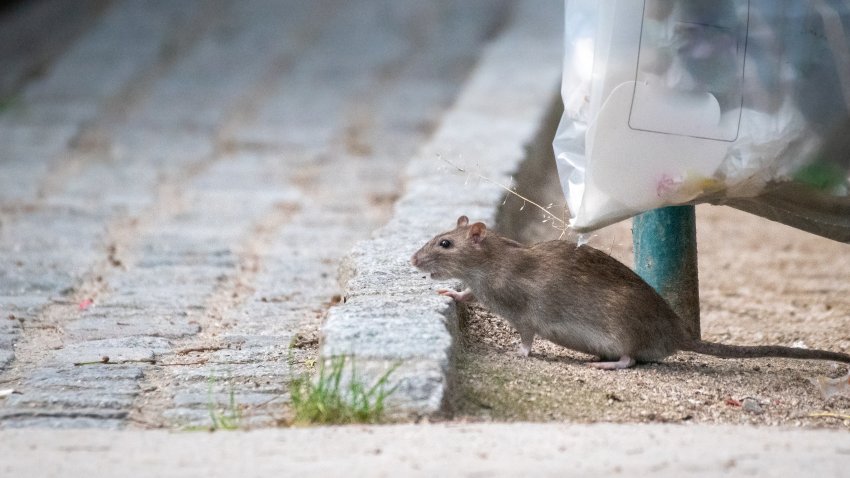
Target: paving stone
{"x": 59, "y": 420}
{"x": 221, "y": 258}
{"x": 156, "y": 282}
{"x": 119, "y": 350}
{"x": 7, "y": 339}
{"x": 6, "y": 356}
{"x": 27, "y": 281}
{"x": 189, "y": 417}
{"x": 160, "y": 302}
{"x": 218, "y": 398}
{"x": 200, "y": 418}
{"x": 264, "y": 341}
{"x": 111, "y": 190}
{"x": 22, "y": 148}
{"x": 22, "y": 306}
{"x": 64, "y": 222}
{"x": 73, "y": 400}
{"x": 387, "y": 274}
{"x": 257, "y": 354}
{"x": 69, "y": 396}
{"x": 136, "y": 324}
{"x": 396, "y": 331}
{"x": 121, "y": 378}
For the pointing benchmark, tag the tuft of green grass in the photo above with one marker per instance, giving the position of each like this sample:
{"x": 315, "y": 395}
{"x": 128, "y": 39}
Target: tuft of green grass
{"x": 330, "y": 400}
{"x": 228, "y": 419}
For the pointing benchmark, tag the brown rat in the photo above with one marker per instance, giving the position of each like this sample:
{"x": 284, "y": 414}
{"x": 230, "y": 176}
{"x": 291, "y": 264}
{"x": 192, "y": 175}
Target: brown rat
{"x": 577, "y": 297}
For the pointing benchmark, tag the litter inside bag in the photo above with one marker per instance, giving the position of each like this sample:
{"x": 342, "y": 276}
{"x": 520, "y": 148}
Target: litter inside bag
{"x": 732, "y": 102}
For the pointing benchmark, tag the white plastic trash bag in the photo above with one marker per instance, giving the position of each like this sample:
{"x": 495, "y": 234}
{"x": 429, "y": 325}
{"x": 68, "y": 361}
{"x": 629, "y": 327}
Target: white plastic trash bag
{"x": 726, "y": 101}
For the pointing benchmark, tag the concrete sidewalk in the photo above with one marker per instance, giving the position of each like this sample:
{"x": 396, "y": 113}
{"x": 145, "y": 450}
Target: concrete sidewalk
{"x": 431, "y": 450}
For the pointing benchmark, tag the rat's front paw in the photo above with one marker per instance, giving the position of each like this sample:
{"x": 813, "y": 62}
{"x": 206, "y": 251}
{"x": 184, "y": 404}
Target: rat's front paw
{"x": 464, "y": 296}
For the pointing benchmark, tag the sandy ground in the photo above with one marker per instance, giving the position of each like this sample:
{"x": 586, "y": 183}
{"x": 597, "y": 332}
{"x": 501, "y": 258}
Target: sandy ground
{"x": 760, "y": 283}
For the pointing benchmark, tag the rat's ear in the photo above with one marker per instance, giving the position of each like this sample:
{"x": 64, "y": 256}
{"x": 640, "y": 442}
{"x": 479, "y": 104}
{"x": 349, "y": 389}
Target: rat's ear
{"x": 462, "y": 221}
{"x": 477, "y": 232}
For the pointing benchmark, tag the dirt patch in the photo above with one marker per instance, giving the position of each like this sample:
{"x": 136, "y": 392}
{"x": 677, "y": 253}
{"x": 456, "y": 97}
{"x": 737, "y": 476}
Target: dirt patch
{"x": 760, "y": 283}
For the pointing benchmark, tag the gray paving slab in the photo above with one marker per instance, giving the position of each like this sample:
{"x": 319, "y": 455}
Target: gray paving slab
{"x": 69, "y": 396}
{"x": 6, "y": 356}
{"x": 120, "y": 350}
{"x": 130, "y": 323}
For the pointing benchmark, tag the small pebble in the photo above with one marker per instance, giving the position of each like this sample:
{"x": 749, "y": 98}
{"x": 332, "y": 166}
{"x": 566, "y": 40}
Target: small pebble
{"x": 750, "y": 405}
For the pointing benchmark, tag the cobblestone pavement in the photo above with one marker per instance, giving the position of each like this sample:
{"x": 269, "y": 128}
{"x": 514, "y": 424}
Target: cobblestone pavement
{"x": 179, "y": 180}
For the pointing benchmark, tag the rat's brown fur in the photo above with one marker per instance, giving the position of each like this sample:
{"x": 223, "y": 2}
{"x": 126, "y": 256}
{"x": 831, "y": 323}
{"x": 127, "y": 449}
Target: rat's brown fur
{"x": 577, "y": 297}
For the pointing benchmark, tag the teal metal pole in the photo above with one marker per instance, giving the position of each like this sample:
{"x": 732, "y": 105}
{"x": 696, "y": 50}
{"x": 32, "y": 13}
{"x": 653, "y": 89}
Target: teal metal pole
{"x": 665, "y": 243}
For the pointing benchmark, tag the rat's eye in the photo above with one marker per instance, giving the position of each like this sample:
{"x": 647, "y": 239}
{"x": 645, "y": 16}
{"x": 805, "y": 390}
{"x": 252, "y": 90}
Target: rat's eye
{"x": 445, "y": 243}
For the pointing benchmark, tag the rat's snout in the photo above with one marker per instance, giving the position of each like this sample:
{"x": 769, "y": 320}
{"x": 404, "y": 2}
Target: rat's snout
{"x": 414, "y": 260}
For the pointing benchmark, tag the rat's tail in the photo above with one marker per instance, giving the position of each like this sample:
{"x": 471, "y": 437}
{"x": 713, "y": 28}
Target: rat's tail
{"x": 755, "y": 351}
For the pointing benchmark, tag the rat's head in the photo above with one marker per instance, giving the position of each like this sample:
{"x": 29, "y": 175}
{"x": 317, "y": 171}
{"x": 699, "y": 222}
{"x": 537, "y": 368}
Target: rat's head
{"x": 451, "y": 255}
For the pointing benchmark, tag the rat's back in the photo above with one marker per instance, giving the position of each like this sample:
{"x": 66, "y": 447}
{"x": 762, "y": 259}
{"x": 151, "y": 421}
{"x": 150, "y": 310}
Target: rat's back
{"x": 591, "y": 302}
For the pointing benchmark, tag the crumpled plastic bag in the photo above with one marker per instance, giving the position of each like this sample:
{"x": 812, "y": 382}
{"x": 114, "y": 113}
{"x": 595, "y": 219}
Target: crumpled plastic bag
{"x": 737, "y": 102}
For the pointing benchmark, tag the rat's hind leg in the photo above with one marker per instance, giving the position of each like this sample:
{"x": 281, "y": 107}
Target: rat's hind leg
{"x": 624, "y": 362}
